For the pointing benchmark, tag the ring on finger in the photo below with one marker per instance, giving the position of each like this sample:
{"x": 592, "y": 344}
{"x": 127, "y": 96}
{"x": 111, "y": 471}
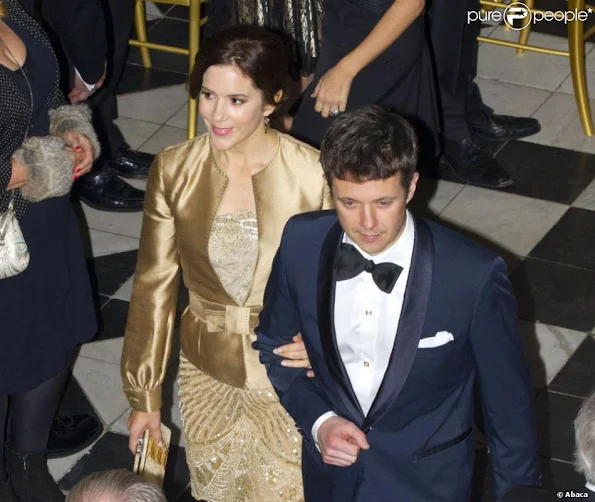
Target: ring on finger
{"x": 335, "y": 112}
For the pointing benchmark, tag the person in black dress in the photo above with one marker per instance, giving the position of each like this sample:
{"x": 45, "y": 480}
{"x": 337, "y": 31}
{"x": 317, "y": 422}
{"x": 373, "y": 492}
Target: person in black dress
{"x": 373, "y": 52}
{"x": 46, "y": 310}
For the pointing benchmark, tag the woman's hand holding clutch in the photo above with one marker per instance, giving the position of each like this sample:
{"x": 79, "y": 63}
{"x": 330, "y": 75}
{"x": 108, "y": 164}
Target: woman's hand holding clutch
{"x": 295, "y": 354}
{"x": 139, "y": 422}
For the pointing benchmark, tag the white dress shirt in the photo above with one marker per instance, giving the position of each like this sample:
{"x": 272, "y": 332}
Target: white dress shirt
{"x": 366, "y": 321}
{"x": 590, "y": 487}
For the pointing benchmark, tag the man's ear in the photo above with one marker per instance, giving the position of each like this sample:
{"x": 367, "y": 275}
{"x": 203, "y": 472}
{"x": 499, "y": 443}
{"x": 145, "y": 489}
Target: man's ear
{"x": 412, "y": 187}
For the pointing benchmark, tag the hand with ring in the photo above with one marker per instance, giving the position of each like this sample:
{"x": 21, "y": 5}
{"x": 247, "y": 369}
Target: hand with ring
{"x": 332, "y": 91}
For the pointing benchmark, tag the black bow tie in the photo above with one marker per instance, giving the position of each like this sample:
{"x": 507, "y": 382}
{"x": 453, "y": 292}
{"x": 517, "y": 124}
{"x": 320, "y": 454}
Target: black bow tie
{"x": 351, "y": 263}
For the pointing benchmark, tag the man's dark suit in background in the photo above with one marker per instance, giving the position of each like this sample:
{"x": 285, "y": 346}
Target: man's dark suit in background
{"x": 79, "y": 26}
{"x": 466, "y": 119}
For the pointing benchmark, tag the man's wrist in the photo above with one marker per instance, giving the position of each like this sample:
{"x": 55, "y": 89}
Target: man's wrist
{"x": 318, "y": 423}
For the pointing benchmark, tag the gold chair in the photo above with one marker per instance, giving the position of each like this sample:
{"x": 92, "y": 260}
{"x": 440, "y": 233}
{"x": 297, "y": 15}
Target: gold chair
{"x": 194, "y": 25}
{"x": 576, "y": 52}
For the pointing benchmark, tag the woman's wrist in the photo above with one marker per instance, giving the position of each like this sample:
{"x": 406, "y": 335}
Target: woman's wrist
{"x": 18, "y": 177}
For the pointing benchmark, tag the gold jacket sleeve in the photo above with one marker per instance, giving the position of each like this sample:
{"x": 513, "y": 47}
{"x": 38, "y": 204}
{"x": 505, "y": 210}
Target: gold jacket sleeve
{"x": 151, "y": 318}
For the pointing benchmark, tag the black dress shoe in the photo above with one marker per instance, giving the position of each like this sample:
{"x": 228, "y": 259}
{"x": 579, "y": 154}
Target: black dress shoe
{"x": 72, "y": 433}
{"x": 487, "y": 125}
{"x": 103, "y": 190}
{"x": 469, "y": 163}
{"x": 131, "y": 164}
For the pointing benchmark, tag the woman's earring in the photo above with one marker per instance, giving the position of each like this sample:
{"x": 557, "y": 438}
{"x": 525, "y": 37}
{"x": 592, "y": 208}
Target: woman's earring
{"x": 267, "y": 124}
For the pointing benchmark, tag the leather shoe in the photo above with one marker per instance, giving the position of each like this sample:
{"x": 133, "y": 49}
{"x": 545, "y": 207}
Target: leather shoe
{"x": 72, "y": 433}
{"x": 103, "y": 190}
{"x": 469, "y": 163}
{"x": 485, "y": 124}
{"x": 131, "y": 164}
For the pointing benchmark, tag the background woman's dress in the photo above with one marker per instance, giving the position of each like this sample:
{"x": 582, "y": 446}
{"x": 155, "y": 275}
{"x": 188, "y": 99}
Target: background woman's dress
{"x": 48, "y": 309}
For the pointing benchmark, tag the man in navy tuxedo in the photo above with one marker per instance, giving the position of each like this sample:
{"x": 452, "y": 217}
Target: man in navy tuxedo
{"x": 400, "y": 317}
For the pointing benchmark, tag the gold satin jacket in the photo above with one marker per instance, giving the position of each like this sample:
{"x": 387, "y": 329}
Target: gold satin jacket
{"x": 184, "y": 189}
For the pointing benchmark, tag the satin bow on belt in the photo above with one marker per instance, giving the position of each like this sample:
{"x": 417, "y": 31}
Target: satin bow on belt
{"x": 218, "y": 339}
{"x": 351, "y": 263}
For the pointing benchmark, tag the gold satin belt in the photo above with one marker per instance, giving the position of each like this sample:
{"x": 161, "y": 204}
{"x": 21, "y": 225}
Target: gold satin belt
{"x": 218, "y": 339}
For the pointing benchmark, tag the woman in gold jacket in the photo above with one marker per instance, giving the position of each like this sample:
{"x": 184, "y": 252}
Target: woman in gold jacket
{"x": 215, "y": 209}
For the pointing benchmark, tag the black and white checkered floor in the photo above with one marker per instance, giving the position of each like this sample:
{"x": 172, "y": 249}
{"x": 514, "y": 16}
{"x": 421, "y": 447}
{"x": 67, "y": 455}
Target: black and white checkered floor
{"x": 543, "y": 225}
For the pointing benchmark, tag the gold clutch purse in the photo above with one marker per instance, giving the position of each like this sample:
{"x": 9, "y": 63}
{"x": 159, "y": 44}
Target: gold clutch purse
{"x": 150, "y": 461}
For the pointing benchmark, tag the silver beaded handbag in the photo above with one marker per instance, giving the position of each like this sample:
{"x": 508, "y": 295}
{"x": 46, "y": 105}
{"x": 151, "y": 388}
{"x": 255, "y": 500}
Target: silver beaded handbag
{"x": 14, "y": 254}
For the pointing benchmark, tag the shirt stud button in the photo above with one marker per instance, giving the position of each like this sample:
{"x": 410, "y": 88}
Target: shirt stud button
{"x": 367, "y": 364}
{"x": 368, "y": 312}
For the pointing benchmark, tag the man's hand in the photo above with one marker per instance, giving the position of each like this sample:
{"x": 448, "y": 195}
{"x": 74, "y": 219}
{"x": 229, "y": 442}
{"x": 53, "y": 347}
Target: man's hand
{"x": 340, "y": 441}
{"x": 80, "y": 92}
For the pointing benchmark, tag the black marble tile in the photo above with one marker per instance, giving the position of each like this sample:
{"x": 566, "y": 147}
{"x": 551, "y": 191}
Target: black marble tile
{"x": 577, "y": 377}
{"x": 113, "y": 320}
{"x": 569, "y": 241}
{"x": 555, "y": 294}
{"x": 546, "y": 172}
{"x": 137, "y": 78}
{"x": 111, "y": 452}
{"x": 555, "y": 417}
{"x": 109, "y": 272}
{"x": 561, "y": 476}
{"x": 168, "y": 32}
{"x": 74, "y": 400}
{"x": 179, "y": 12}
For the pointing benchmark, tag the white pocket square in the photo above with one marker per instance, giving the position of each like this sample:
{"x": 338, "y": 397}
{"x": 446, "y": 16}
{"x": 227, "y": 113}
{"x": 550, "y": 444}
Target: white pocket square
{"x": 441, "y": 338}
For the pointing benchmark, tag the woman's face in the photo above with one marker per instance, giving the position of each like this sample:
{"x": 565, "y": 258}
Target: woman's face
{"x": 231, "y": 106}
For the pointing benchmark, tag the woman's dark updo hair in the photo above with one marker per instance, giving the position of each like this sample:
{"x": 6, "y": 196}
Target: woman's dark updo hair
{"x": 256, "y": 52}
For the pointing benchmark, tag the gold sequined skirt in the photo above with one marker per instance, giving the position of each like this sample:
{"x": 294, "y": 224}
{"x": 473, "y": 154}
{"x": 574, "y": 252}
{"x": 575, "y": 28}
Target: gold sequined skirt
{"x": 241, "y": 445}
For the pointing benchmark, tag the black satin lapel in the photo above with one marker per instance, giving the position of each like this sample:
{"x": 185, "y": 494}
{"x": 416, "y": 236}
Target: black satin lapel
{"x": 327, "y": 267}
{"x": 411, "y": 323}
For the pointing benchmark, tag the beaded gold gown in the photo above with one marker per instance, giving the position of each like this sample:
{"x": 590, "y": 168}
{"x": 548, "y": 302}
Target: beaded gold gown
{"x": 241, "y": 445}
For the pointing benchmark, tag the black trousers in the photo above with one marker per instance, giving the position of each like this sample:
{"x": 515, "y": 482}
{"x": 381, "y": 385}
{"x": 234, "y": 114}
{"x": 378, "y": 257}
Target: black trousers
{"x": 401, "y": 78}
{"x": 119, "y": 15}
{"x": 454, "y": 46}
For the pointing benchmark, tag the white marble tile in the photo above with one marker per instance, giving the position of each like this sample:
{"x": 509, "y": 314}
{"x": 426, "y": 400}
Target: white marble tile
{"x": 180, "y": 120}
{"x": 153, "y": 11}
{"x": 136, "y": 132}
{"x": 501, "y": 220}
{"x": 164, "y": 137}
{"x": 155, "y": 105}
{"x": 125, "y": 290}
{"x": 120, "y": 425}
{"x": 531, "y": 69}
{"x": 170, "y": 411}
{"x": 109, "y": 351}
{"x": 432, "y": 195}
{"x": 102, "y": 384}
{"x": 511, "y": 99}
{"x": 586, "y": 200}
{"x": 123, "y": 224}
{"x": 566, "y": 86}
{"x": 59, "y": 467}
{"x": 548, "y": 349}
{"x": 100, "y": 243}
{"x": 561, "y": 125}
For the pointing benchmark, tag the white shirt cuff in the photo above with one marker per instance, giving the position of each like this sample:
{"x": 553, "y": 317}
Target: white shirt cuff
{"x": 318, "y": 423}
{"x": 89, "y": 87}
{"x": 589, "y": 486}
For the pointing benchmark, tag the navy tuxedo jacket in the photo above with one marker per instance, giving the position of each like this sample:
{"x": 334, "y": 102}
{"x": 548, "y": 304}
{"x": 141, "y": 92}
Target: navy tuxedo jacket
{"x": 420, "y": 426}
